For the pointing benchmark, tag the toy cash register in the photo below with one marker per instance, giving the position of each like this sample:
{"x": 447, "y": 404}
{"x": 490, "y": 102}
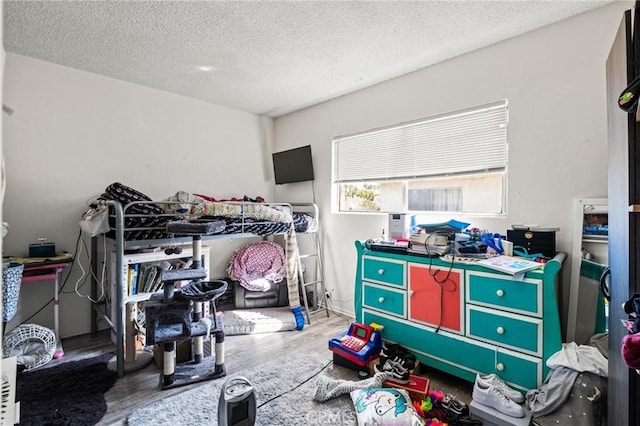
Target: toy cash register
{"x": 359, "y": 344}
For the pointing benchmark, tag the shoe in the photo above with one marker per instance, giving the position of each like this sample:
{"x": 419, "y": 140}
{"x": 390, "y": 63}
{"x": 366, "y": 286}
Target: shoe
{"x": 398, "y": 354}
{"x": 454, "y": 405}
{"x": 396, "y": 373}
{"x": 494, "y": 398}
{"x": 493, "y": 380}
{"x": 453, "y": 419}
{"x": 389, "y": 351}
{"x": 405, "y": 361}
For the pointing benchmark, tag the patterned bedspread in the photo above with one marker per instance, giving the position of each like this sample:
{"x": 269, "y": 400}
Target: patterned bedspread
{"x": 192, "y": 206}
{"x": 145, "y": 221}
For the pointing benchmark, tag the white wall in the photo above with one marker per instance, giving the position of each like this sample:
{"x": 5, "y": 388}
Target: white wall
{"x": 554, "y": 80}
{"x": 73, "y": 133}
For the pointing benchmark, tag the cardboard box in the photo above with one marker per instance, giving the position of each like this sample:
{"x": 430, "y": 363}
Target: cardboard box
{"x": 418, "y": 387}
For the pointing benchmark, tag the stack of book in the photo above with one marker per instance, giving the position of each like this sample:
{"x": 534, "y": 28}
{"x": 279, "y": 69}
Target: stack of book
{"x": 147, "y": 278}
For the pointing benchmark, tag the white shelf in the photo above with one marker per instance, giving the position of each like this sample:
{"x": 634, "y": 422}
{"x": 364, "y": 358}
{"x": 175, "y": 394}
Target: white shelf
{"x": 148, "y": 257}
{"x": 587, "y": 238}
{"x": 158, "y": 255}
{"x": 141, "y": 297}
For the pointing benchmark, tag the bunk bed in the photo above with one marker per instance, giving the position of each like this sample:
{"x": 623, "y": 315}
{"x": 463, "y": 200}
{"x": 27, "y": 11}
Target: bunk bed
{"x": 137, "y": 222}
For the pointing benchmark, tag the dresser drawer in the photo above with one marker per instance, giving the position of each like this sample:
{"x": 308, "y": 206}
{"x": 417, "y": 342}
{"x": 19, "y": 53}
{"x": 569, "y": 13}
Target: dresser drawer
{"x": 386, "y": 271}
{"x": 385, "y": 299}
{"x": 457, "y": 355}
{"x": 519, "y": 370}
{"x": 505, "y": 329}
{"x": 452, "y": 354}
{"x": 502, "y": 292}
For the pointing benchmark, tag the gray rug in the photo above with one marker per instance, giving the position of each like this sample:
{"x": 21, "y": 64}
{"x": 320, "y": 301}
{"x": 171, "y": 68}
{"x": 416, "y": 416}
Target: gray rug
{"x": 199, "y": 406}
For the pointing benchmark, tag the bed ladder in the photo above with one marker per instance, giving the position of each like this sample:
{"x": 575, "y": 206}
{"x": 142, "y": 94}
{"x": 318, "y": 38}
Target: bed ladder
{"x": 318, "y": 286}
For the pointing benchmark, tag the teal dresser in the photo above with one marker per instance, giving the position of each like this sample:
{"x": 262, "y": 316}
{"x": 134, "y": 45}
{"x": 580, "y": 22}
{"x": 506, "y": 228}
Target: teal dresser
{"x": 463, "y": 318}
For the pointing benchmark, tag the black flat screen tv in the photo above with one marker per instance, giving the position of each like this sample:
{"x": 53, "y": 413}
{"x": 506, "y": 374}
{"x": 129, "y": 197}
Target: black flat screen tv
{"x": 293, "y": 165}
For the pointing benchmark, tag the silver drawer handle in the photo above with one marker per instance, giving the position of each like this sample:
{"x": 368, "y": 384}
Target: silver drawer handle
{"x": 500, "y": 330}
{"x": 381, "y": 299}
{"x": 500, "y": 293}
{"x": 411, "y": 292}
{"x": 500, "y": 366}
{"x": 380, "y": 271}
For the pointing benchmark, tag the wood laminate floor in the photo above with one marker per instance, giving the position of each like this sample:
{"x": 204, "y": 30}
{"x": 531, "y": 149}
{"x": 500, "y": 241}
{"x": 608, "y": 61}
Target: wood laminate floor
{"x": 138, "y": 388}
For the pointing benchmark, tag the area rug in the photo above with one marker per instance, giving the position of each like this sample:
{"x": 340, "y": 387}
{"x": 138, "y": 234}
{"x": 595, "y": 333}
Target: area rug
{"x": 284, "y": 391}
{"x": 71, "y": 393}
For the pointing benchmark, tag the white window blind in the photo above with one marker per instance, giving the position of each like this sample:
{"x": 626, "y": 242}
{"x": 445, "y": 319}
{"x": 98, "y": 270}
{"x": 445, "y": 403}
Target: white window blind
{"x": 468, "y": 141}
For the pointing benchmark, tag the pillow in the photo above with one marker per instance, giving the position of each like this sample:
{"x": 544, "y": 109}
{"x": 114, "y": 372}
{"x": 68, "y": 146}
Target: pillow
{"x": 384, "y": 406}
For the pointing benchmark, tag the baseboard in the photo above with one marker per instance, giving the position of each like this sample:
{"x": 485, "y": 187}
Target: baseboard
{"x": 338, "y": 310}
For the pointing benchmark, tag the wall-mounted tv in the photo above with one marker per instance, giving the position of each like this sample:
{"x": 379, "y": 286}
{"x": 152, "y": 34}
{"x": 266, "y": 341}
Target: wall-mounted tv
{"x": 293, "y": 165}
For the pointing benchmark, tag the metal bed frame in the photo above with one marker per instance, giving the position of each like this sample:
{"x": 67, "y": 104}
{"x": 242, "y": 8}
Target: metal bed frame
{"x": 119, "y": 245}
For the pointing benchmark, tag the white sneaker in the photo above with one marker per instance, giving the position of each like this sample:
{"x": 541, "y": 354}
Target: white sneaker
{"x": 494, "y": 398}
{"x": 488, "y": 380}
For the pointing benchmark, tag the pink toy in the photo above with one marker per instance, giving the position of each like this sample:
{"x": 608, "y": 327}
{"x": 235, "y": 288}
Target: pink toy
{"x": 436, "y": 396}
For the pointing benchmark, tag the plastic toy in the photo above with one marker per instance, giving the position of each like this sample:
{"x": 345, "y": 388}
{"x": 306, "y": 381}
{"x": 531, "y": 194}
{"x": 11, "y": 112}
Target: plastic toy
{"x": 359, "y": 344}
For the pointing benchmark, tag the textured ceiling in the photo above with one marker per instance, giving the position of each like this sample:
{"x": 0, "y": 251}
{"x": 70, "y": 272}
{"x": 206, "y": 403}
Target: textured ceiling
{"x": 267, "y": 57}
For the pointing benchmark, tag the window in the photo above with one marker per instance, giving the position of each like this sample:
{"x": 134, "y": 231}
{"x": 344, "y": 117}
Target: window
{"x": 436, "y": 199}
{"x": 454, "y": 162}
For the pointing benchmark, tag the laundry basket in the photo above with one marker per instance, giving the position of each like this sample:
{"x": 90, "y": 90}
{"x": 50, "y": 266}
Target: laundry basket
{"x": 11, "y": 281}
{"x": 32, "y": 344}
